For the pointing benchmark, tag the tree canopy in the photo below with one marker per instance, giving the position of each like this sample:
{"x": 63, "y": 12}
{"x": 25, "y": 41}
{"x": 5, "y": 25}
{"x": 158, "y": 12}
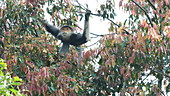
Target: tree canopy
{"x": 126, "y": 58}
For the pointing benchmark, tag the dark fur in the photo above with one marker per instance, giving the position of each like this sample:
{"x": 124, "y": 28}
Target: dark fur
{"x": 75, "y": 39}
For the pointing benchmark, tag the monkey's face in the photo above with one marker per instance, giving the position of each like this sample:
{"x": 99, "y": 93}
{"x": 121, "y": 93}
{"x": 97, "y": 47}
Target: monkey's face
{"x": 65, "y": 34}
{"x": 66, "y": 29}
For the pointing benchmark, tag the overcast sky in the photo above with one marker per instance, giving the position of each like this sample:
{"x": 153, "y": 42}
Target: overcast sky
{"x": 97, "y": 25}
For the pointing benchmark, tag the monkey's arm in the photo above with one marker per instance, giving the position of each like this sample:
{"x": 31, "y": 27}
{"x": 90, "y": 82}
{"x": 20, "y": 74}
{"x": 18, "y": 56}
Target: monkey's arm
{"x": 52, "y": 29}
{"x": 86, "y": 26}
{"x": 79, "y": 39}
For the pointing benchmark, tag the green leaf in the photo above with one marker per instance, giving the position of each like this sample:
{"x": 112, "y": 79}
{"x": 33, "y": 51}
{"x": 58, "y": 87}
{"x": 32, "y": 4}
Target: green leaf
{"x": 1, "y": 73}
{"x": 104, "y": 14}
{"x": 125, "y": 22}
{"x": 81, "y": 17}
{"x": 108, "y": 42}
{"x": 52, "y": 88}
{"x": 2, "y": 64}
{"x": 16, "y": 83}
{"x": 100, "y": 61}
{"x": 112, "y": 15}
{"x": 123, "y": 44}
{"x": 16, "y": 78}
{"x": 13, "y": 90}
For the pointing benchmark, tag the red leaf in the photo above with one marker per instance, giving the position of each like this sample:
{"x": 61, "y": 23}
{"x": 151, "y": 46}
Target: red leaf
{"x": 23, "y": 2}
{"x": 87, "y": 54}
{"x": 133, "y": 12}
{"x": 131, "y": 59}
{"x": 144, "y": 24}
{"x": 167, "y": 2}
{"x": 29, "y": 63}
{"x": 107, "y": 62}
{"x": 122, "y": 70}
{"x": 120, "y": 3}
{"x": 124, "y": 76}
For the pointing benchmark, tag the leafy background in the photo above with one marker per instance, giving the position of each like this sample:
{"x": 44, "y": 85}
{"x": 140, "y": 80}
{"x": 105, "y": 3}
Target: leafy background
{"x": 133, "y": 51}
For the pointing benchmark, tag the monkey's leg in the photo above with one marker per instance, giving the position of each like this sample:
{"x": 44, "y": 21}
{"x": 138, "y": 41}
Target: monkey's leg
{"x": 79, "y": 50}
{"x": 64, "y": 49}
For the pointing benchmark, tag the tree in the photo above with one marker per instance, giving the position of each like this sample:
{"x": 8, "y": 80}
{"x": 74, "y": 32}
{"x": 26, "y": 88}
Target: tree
{"x": 133, "y": 51}
{"x": 8, "y": 85}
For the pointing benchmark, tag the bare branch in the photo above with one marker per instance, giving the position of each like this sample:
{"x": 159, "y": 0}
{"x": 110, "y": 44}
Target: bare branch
{"x": 112, "y": 22}
{"x": 143, "y": 11}
{"x": 98, "y": 35}
{"x": 93, "y": 44}
{"x": 151, "y": 4}
{"x": 166, "y": 75}
{"x": 80, "y": 5}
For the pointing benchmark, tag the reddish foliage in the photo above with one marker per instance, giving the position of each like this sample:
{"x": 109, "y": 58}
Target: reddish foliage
{"x": 133, "y": 12}
{"x": 117, "y": 65}
{"x": 120, "y": 3}
{"x": 122, "y": 70}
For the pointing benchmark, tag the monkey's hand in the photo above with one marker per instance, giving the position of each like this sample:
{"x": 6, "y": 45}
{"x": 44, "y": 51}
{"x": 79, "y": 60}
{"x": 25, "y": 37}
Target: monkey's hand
{"x": 87, "y": 14}
{"x": 44, "y": 22}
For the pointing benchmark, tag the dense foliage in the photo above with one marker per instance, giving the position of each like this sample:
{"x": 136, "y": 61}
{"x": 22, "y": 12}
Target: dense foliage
{"x": 126, "y": 58}
{"x": 8, "y": 85}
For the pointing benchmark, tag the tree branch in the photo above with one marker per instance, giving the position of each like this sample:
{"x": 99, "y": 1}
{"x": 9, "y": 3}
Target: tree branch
{"x": 166, "y": 75}
{"x": 143, "y": 11}
{"x": 93, "y": 44}
{"x": 112, "y": 22}
{"x": 151, "y": 4}
{"x": 85, "y": 9}
{"x": 97, "y": 34}
{"x": 80, "y": 5}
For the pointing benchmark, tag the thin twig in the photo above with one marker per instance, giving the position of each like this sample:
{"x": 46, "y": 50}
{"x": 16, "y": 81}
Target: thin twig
{"x": 112, "y": 22}
{"x": 85, "y": 9}
{"x": 80, "y": 5}
{"x": 143, "y": 11}
{"x": 101, "y": 35}
{"x": 97, "y": 34}
{"x": 146, "y": 77}
{"x": 93, "y": 44}
{"x": 166, "y": 75}
{"x": 151, "y": 4}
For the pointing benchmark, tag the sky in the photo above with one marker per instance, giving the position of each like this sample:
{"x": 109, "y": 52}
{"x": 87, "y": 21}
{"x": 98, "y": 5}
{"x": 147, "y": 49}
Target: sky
{"x": 97, "y": 25}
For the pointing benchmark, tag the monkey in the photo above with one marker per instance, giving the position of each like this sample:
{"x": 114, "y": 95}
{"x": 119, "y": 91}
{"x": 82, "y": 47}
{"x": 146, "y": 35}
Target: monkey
{"x": 68, "y": 37}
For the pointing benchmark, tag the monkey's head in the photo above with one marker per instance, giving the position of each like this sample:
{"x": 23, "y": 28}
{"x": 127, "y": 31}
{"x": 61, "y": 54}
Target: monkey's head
{"x": 66, "y": 29}
{"x": 65, "y": 33}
